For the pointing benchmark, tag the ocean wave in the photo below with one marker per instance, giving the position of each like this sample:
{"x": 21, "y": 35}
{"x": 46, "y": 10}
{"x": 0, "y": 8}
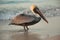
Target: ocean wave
{"x": 6, "y": 13}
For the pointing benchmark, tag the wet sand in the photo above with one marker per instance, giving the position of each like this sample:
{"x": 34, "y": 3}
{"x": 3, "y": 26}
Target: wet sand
{"x": 40, "y": 31}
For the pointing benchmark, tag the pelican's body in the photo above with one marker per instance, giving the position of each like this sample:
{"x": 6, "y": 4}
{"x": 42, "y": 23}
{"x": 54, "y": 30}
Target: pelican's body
{"x": 27, "y": 20}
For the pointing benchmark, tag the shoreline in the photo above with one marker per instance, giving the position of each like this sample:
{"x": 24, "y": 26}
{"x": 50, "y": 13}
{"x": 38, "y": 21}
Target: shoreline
{"x": 40, "y": 30}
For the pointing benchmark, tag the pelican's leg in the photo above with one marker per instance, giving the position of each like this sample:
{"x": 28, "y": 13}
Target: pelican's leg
{"x": 27, "y": 28}
{"x": 24, "y": 28}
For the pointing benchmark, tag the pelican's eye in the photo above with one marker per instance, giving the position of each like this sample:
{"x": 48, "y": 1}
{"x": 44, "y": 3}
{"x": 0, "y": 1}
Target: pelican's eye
{"x": 36, "y": 10}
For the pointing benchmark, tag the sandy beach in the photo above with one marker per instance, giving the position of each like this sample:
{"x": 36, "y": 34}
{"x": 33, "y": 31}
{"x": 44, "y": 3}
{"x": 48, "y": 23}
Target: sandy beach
{"x": 40, "y": 31}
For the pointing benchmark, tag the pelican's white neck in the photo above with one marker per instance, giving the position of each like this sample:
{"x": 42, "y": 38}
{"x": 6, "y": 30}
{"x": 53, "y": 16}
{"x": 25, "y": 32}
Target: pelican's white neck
{"x": 36, "y": 15}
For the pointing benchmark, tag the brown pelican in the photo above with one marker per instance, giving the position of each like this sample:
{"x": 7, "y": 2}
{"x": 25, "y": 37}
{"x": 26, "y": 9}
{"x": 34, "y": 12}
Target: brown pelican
{"x": 27, "y": 20}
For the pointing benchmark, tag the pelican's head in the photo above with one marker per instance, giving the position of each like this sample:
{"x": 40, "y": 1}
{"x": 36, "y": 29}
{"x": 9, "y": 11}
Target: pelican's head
{"x": 32, "y": 7}
{"x": 36, "y": 10}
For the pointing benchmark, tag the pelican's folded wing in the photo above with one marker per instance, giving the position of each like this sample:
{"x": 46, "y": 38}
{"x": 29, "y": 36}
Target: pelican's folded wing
{"x": 22, "y": 19}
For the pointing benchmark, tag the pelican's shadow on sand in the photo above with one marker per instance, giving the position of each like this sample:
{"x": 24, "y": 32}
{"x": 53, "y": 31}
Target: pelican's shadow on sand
{"x": 25, "y": 36}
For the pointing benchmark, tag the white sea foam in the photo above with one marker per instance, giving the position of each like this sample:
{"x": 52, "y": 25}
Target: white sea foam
{"x": 50, "y": 11}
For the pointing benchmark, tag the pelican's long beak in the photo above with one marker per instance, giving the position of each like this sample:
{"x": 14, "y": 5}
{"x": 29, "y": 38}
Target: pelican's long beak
{"x": 35, "y": 9}
{"x": 41, "y": 15}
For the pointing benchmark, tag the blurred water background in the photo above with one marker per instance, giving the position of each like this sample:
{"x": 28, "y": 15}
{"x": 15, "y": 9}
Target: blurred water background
{"x": 9, "y": 8}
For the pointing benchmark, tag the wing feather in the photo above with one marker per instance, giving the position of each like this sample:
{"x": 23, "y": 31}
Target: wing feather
{"x": 22, "y": 19}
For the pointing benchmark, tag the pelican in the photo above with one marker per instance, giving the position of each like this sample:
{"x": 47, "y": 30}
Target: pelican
{"x": 27, "y": 20}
